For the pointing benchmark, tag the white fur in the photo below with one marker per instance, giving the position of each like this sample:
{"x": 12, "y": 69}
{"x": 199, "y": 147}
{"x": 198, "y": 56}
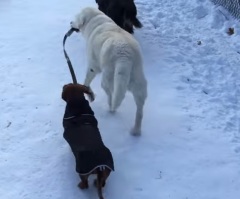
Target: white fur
{"x": 116, "y": 54}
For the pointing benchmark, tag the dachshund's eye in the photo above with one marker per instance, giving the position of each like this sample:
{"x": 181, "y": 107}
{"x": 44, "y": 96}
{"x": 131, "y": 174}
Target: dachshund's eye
{"x": 91, "y": 70}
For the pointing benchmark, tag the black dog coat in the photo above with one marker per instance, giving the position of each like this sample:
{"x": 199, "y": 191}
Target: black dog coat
{"x": 82, "y": 134}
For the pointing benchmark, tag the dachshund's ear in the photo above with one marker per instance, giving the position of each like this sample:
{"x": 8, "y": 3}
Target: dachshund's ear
{"x": 65, "y": 92}
{"x": 64, "y": 95}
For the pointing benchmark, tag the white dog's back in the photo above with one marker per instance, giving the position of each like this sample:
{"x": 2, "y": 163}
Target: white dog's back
{"x": 115, "y": 53}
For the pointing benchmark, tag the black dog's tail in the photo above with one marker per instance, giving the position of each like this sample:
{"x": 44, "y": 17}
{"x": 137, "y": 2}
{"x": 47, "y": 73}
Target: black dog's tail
{"x": 136, "y": 22}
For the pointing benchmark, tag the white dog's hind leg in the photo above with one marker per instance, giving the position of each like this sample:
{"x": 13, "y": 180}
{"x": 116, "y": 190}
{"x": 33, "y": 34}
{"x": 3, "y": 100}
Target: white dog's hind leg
{"x": 107, "y": 84}
{"x": 121, "y": 81}
{"x": 140, "y": 95}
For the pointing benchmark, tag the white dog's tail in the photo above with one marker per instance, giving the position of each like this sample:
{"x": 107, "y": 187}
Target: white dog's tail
{"x": 121, "y": 80}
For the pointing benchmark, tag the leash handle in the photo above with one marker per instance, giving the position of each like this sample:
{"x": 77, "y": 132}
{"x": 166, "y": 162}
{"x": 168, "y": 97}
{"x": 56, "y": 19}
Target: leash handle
{"x": 66, "y": 56}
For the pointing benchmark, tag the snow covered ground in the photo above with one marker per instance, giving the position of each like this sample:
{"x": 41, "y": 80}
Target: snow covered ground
{"x": 190, "y": 144}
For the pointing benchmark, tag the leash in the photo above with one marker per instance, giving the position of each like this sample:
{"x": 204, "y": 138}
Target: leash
{"x": 90, "y": 94}
{"x": 66, "y": 55}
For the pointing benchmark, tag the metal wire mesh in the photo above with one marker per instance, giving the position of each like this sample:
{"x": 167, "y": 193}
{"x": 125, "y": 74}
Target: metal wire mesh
{"x": 233, "y": 6}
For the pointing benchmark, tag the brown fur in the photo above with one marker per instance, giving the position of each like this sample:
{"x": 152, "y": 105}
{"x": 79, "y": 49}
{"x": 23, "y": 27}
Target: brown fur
{"x": 99, "y": 182}
{"x": 71, "y": 90}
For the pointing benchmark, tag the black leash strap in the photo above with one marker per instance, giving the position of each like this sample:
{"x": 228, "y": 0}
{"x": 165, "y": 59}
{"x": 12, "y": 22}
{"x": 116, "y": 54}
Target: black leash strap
{"x": 66, "y": 55}
{"x": 90, "y": 93}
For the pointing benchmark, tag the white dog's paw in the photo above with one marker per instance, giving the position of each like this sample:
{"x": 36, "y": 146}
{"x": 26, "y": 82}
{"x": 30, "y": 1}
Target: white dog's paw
{"x": 135, "y": 131}
{"x": 112, "y": 111}
{"x": 91, "y": 95}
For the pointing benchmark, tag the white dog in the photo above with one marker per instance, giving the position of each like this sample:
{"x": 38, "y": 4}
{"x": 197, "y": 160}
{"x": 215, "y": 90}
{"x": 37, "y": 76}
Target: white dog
{"x": 114, "y": 52}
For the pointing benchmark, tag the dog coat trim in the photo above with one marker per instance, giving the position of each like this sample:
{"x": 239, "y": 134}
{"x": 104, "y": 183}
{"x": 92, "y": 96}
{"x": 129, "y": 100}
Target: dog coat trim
{"x": 68, "y": 118}
{"x": 101, "y": 167}
{"x": 82, "y": 134}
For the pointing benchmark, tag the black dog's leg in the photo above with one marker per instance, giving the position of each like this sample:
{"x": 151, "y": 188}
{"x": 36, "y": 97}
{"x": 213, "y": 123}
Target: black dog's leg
{"x": 84, "y": 182}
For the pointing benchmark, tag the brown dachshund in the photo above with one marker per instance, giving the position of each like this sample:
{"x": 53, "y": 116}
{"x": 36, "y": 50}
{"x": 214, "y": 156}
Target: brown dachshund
{"x": 83, "y": 136}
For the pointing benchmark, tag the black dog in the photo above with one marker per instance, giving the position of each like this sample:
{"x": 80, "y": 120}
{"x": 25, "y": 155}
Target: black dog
{"x": 82, "y": 134}
{"x": 122, "y": 12}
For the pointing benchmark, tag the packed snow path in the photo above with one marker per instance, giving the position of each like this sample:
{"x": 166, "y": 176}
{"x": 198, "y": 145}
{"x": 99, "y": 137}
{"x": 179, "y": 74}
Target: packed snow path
{"x": 190, "y": 145}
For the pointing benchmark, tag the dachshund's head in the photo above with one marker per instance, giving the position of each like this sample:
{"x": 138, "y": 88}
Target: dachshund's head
{"x": 75, "y": 92}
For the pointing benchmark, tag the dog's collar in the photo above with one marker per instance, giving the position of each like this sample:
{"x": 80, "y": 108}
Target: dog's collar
{"x": 71, "y": 117}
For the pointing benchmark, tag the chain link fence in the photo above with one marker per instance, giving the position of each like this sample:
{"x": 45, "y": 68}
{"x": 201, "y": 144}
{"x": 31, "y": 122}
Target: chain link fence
{"x": 233, "y": 6}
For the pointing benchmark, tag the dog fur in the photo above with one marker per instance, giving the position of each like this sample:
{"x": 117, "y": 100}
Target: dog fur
{"x": 83, "y": 136}
{"x": 122, "y": 12}
{"x": 114, "y": 52}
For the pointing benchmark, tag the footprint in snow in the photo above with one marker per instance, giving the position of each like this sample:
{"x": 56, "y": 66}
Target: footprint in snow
{"x": 201, "y": 12}
{"x": 237, "y": 149}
